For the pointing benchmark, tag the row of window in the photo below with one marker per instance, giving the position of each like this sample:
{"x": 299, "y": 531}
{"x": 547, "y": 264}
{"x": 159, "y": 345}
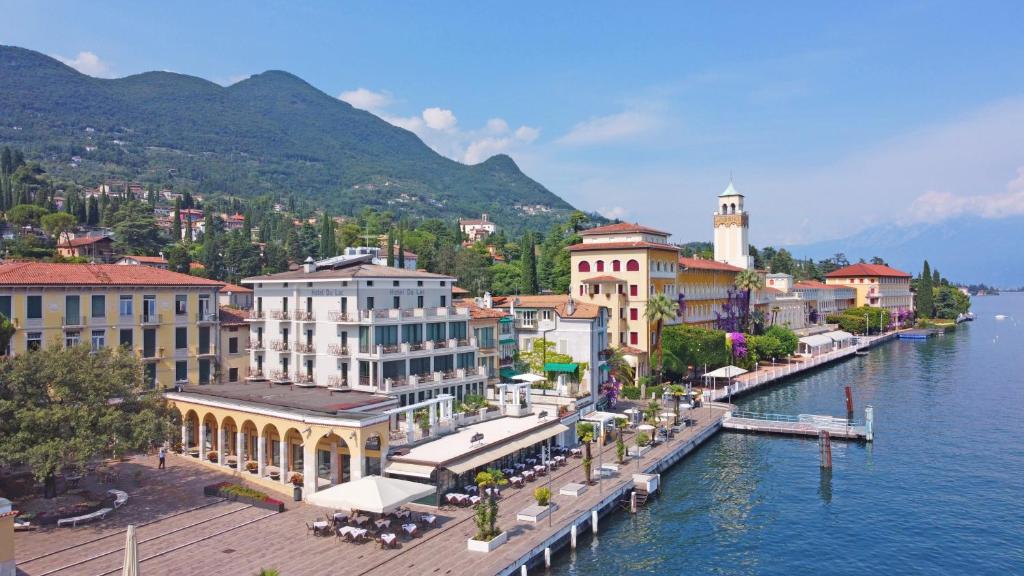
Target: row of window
{"x": 98, "y": 306}
{"x": 631, "y": 266}
{"x": 369, "y": 284}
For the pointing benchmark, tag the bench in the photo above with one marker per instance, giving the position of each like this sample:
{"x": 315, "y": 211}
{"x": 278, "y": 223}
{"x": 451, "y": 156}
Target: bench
{"x": 101, "y": 513}
{"x": 120, "y": 497}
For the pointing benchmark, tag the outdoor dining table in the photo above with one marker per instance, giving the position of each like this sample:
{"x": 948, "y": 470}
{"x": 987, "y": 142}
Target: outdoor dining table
{"x": 576, "y": 451}
{"x": 360, "y": 520}
{"x": 539, "y": 468}
{"x": 428, "y": 519}
{"x": 320, "y": 526}
{"x": 531, "y": 461}
{"x": 492, "y": 492}
{"x": 508, "y": 471}
{"x": 516, "y": 480}
{"x": 520, "y": 466}
{"x": 470, "y": 490}
{"x": 387, "y": 539}
{"x": 474, "y": 499}
{"x": 73, "y": 480}
{"x": 340, "y": 518}
{"x": 382, "y": 523}
{"x": 402, "y": 514}
{"x": 410, "y": 529}
{"x": 457, "y": 499}
{"x": 529, "y": 474}
{"x": 355, "y": 532}
{"x": 560, "y": 459}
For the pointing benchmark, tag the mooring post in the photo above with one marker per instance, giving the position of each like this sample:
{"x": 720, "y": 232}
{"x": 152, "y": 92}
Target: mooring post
{"x": 547, "y": 557}
{"x": 632, "y": 501}
{"x": 593, "y": 521}
{"x": 572, "y": 537}
{"x": 825, "y": 448}
{"x": 522, "y": 570}
{"x": 849, "y": 403}
{"x": 869, "y": 423}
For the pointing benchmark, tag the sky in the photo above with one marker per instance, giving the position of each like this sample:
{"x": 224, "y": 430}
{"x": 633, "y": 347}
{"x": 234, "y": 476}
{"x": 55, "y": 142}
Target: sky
{"x": 829, "y": 117}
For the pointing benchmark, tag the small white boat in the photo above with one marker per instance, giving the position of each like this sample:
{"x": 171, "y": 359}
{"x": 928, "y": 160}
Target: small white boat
{"x": 1000, "y": 316}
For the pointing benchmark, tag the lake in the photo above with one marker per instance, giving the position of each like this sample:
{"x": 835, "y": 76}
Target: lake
{"x": 938, "y": 492}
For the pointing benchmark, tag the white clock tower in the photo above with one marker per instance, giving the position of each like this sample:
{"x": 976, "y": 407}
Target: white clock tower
{"x": 731, "y": 227}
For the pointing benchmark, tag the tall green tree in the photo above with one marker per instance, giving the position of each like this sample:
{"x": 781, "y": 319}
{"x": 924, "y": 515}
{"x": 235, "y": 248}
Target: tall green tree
{"x": 660, "y": 310}
{"x": 58, "y": 225}
{"x": 135, "y": 229}
{"x": 57, "y": 409}
{"x": 176, "y": 222}
{"x": 391, "y": 249}
{"x": 925, "y": 303}
{"x": 748, "y": 281}
{"x": 528, "y": 265}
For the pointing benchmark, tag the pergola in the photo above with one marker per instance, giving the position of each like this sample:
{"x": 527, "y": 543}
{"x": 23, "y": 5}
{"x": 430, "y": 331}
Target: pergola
{"x": 439, "y": 408}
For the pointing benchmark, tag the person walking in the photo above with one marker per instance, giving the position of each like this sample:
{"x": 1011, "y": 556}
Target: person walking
{"x": 163, "y": 458}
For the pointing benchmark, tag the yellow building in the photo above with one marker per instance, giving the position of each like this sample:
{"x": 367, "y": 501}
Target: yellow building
{"x": 876, "y": 285}
{"x": 703, "y": 287}
{"x": 234, "y": 345}
{"x": 620, "y": 266}
{"x": 328, "y": 437}
{"x": 170, "y": 320}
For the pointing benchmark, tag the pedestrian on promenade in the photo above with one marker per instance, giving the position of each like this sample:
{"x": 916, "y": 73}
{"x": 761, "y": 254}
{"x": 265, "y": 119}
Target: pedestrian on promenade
{"x": 163, "y": 458}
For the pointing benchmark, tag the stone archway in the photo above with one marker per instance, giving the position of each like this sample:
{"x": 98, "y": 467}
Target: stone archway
{"x": 189, "y": 430}
{"x": 208, "y": 436}
{"x": 228, "y": 442}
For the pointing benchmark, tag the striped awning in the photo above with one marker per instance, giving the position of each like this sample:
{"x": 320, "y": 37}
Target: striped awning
{"x": 409, "y": 469}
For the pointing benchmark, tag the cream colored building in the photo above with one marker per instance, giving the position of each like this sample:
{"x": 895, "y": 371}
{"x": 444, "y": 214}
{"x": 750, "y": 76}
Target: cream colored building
{"x": 732, "y": 226}
{"x": 876, "y": 285}
{"x": 703, "y": 287}
{"x": 234, "y": 345}
{"x": 170, "y": 320}
{"x": 619, "y": 267}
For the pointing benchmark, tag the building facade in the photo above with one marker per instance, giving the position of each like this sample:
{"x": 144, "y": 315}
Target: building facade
{"x": 485, "y": 323}
{"x": 875, "y": 285}
{"x": 233, "y": 360}
{"x": 477, "y": 229}
{"x": 348, "y": 324}
{"x": 170, "y": 320}
{"x": 703, "y": 287}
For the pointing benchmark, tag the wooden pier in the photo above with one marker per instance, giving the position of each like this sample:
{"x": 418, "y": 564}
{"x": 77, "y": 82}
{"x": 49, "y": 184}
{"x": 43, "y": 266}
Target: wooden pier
{"x": 800, "y": 425}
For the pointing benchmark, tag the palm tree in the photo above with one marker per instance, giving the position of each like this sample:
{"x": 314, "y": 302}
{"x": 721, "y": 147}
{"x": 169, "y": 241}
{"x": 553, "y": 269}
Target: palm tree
{"x": 620, "y": 368}
{"x": 585, "y": 430}
{"x": 748, "y": 281}
{"x": 677, "y": 391}
{"x": 660, "y": 309}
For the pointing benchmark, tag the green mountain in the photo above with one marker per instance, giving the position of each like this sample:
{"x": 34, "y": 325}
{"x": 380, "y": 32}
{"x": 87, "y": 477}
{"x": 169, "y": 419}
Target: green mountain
{"x": 272, "y": 133}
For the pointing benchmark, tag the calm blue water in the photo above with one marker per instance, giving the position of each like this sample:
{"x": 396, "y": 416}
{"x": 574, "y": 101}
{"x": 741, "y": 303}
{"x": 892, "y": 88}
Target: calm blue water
{"x": 941, "y": 490}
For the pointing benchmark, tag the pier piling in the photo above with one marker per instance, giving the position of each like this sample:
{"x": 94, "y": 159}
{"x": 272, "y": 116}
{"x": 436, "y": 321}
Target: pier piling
{"x": 572, "y": 537}
{"x": 869, "y": 423}
{"x": 522, "y": 570}
{"x": 849, "y": 403}
{"x": 593, "y": 521}
{"x": 547, "y": 557}
{"x": 825, "y": 448}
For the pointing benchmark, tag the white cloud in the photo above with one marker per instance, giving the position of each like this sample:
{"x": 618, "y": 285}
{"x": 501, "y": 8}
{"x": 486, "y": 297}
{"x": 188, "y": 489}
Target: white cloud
{"x": 439, "y": 119}
{"x": 366, "y": 99}
{"x": 613, "y": 213}
{"x": 933, "y": 206}
{"x": 87, "y": 63}
{"x": 614, "y": 127}
{"x": 496, "y": 126}
{"x": 527, "y": 134}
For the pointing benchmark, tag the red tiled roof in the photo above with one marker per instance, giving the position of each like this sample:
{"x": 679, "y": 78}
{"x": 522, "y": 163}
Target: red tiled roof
{"x": 557, "y": 302}
{"x": 589, "y": 246}
{"x": 458, "y": 290}
{"x": 479, "y": 313}
{"x": 631, "y": 350}
{"x": 599, "y": 279}
{"x": 867, "y": 270}
{"x": 815, "y": 284}
{"x": 235, "y": 288}
{"x": 702, "y": 264}
{"x": 622, "y": 228}
{"x": 84, "y": 241}
{"x": 230, "y": 316}
{"x": 47, "y": 274}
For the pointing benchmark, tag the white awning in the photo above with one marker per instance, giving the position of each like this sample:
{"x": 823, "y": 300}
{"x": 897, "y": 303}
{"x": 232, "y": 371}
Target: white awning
{"x": 371, "y": 494}
{"x": 839, "y": 336}
{"x": 816, "y": 340}
{"x": 497, "y": 451}
{"x": 409, "y": 469}
{"x": 726, "y": 372}
{"x": 531, "y": 378}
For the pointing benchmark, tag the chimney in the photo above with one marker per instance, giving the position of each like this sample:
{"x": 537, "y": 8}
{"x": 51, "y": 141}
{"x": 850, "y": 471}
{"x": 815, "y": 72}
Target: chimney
{"x": 488, "y": 301}
{"x": 309, "y": 265}
{"x": 570, "y": 307}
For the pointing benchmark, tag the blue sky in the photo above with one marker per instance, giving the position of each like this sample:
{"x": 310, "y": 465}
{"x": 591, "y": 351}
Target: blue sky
{"x": 830, "y": 116}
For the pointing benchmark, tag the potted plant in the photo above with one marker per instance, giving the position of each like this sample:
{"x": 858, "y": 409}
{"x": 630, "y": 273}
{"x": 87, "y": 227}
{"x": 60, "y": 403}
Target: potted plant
{"x": 542, "y": 510}
{"x": 620, "y": 448}
{"x": 177, "y": 447}
{"x": 585, "y": 431}
{"x": 193, "y": 452}
{"x": 542, "y": 495}
{"x": 422, "y": 419}
{"x": 252, "y": 466}
{"x": 642, "y": 439}
{"x": 485, "y": 514}
{"x": 211, "y": 455}
{"x": 296, "y": 479}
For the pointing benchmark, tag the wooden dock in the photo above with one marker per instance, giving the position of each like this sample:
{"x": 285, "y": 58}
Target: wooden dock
{"x": 800, "y": 425}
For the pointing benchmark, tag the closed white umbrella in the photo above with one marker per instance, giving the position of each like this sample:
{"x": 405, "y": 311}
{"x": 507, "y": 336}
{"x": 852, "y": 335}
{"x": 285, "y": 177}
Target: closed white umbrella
{"x": 371, "y": 494}
{"x": 131, "y": 553}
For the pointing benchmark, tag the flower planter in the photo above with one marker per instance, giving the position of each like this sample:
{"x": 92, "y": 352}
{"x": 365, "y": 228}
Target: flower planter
{"x": 266, "y": 503}
{"x": 535, "y": 513}
{"x": 489, "y": 546}
{"x": 643, "y": 450}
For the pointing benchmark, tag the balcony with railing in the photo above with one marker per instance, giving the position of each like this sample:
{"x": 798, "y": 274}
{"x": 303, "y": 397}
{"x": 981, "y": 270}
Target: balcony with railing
{"x": 303, "y": 379}
{"x": 257, "y": 346}
{"x": 339, "y": 316}
{"x": 336, "y": 381}
{"x": 255, "y": 374}
{"x": 337, "y": 349}
{"x": 279, "y": 345}
{"x": 302, "y": 316}
{"x": 280, "y": 315}
{"x": 304, "y": 348}
{"x": 432, "y": 379}
{"x": 256, "y": 316}
{"x": 72, "y": 322}
{"x": 204, "y": 352}
{"x": 420, "y": 347}
{"x": 150, "y": 319}
{"x": 206, "y": 317}
{"x": 413, "y": 314}
{"x": 280, "y": 376}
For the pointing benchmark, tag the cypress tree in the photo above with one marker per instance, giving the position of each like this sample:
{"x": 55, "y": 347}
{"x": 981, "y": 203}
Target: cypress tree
{"x": 391, "y": 249}
{"x": 176, "y": 225}
{"x": 528, "y": 282}
{"x": 401, "y": 248}
{"x": 925, "y": 301}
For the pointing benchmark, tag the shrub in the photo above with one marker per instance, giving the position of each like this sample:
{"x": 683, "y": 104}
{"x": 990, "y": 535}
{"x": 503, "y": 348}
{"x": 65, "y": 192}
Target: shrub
{"x": 211, "y": 455}
{"x": 630, "y": 392}
{"x": 252, "y": 465}
{"x": 642, "y": 439}
{"x": 296, "y": 478}
{"x": 620, "y": 448}
{"x": 542, "y": 495}
{"x": 786, "y": 337}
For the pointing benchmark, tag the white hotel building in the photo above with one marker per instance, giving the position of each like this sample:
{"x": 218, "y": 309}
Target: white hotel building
{"x": 347, "y": 324}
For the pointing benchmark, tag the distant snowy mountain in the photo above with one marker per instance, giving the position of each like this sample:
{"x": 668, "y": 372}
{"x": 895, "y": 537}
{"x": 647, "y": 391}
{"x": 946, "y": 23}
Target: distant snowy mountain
{"x": 966, "y": 249}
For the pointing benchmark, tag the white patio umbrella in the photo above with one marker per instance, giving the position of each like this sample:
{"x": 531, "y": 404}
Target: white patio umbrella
{"x": 131, "y": 553}
{"x": 645, "y": 428}
{"x": 530, "y": 378}
{"x": 668, "y": 415}
{"x": 371, "y": 494}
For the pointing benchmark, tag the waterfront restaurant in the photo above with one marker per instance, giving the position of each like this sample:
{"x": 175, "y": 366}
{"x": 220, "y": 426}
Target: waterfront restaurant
{"x": 452, "y": 461}
{"x": 266, "y": 433}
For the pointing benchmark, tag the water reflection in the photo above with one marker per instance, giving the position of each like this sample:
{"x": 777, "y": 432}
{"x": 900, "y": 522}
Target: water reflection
{"x": 825, "y": 485}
